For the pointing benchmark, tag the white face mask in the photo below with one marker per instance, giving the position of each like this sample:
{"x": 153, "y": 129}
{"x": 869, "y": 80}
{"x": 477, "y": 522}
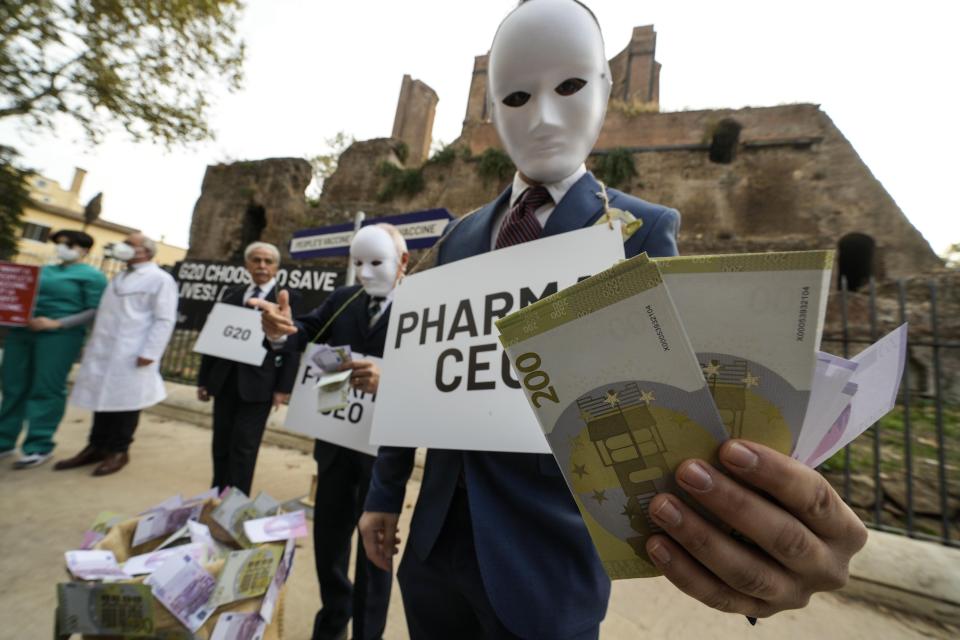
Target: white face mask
{"x": 375, "y": 257}
{"x": 549, "y": 83}
{"x": 123, "y": 252}
{"x": 67, "y": 254}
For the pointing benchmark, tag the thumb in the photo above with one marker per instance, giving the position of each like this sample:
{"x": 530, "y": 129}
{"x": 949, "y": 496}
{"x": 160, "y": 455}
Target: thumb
{"x": 283, "y": 300}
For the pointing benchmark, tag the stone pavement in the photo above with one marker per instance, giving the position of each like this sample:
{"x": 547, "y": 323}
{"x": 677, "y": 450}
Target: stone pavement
{"x": 43, "y": 514}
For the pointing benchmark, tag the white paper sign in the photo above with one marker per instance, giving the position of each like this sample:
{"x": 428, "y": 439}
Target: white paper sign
{"x": 232, "y": 333}
{"x": 446, "y": 382}
{"x": 348, "y": 427}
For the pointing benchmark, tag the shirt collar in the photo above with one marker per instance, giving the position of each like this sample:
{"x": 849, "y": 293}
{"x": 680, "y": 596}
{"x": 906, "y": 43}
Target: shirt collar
{"x": 265, "y": 288}
{"x": 556, "y": 189}
{"x": 387, "y": 299}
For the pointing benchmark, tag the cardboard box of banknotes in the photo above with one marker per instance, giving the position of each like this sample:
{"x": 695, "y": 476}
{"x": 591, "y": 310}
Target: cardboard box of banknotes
{"x": 212, "y": 567}
{"x": 655, "y": 361}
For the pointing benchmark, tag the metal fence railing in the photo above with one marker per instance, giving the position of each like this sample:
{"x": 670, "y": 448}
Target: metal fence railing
{"x": 903, "y": 476}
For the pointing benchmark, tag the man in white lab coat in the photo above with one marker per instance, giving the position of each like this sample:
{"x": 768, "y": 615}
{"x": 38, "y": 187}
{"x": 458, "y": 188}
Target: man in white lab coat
{"x": 120, "y": 371}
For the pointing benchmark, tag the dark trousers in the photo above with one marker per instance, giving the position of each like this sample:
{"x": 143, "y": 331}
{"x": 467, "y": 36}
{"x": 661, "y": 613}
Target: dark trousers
{"x": 113, "y": 430}
{"x": 444, "y": 596}
{"x": 341, "y": 490}
{"x": 237, "y": 431}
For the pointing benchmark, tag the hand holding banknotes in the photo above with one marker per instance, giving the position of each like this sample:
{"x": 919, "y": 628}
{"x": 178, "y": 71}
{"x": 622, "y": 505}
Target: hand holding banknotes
{"x": 804, "y": 534}
{"x": 365, "y": 376}
{"x": 276, "y": 319}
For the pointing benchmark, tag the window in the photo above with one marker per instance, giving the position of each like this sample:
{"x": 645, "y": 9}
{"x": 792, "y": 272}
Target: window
{"x": 855, "y": 260}
{"x": 38, "y": 232}
{"x": 723, "y": 145}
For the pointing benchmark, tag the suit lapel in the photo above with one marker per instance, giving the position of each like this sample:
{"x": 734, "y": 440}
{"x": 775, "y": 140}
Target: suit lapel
{"x": 478, "y": 240}
{"x": 235, "y": 296}
{"x": 577, "y": 207}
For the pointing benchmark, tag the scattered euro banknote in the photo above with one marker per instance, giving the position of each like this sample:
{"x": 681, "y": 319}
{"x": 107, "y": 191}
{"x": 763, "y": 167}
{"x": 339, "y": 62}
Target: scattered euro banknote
{"x": 102, "y": 524}
{"x": 269, "y": 604}
{"x": 184, "y": 587}
{"x": 94, "y": 565}
{"x": 158, "y": 523}
{"x": 239, "y": 626}
{"x": 246, "y": 574}
{"x": 99, "y": 609}
{"x": 273, "y": 528}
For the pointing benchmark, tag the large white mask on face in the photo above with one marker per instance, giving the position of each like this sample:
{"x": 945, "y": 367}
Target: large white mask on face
{"x": 549, "y": 83}
{"x": 375, "y": 256}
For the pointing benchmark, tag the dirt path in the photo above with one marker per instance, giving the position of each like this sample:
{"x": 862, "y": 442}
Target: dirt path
{"x": 43, "y": 514}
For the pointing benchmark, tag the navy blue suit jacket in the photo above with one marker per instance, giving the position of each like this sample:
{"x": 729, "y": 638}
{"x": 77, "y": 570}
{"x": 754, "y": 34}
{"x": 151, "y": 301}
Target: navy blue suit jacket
{"x": 351, "y": 327}
{"x": 539, "y": 567}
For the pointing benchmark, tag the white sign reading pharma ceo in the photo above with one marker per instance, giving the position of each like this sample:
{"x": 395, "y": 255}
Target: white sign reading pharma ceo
{"x": 348, "y": 427}
{"x": 446, "y": 382}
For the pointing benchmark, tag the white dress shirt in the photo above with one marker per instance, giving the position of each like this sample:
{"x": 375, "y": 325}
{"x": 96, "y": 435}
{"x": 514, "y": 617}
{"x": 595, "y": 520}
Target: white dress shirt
{"x": 265, "y": 290}
{"x": 556, "y": 190}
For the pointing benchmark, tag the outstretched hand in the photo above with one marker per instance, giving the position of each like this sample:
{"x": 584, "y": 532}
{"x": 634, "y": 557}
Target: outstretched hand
{"x": 804, "y": 534}
{"x": 276, "y": 319}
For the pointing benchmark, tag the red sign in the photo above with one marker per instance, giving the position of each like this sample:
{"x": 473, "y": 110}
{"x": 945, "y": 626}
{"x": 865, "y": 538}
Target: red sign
{"x": 18, "y": 293}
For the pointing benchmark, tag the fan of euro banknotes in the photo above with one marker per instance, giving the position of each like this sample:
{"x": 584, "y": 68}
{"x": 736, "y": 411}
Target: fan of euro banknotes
{"x": 211, "y": 566}
{"x": 654, "y": 361}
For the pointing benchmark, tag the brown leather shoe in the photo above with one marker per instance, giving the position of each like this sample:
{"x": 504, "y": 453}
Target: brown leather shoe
{"x": 114, "y": 461}
{"x": 89, "y": 455}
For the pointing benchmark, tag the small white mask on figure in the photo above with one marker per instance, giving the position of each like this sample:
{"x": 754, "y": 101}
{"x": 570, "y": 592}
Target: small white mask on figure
{"x": 549, "y": 83}
{"x": 377, "y": 260}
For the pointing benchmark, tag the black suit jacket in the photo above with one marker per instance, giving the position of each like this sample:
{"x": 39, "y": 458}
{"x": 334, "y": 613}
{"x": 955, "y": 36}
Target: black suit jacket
{"x": 276, "y": 374}
{"x": 352, "y": 327}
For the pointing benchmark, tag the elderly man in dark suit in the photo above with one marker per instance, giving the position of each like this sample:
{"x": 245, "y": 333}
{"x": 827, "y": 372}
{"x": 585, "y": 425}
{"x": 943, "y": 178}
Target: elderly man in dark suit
{"x": 243, "y": 394}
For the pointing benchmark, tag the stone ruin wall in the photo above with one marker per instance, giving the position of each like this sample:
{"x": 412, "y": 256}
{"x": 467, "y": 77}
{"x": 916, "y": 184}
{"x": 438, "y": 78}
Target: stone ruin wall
{"x": 247, "y": 201}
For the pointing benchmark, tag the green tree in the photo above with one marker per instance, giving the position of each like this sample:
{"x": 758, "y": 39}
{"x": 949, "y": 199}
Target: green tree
{"x": 13, "y": 197}
{"x": 325, "y": 164}
{"x": 148, "y": 65}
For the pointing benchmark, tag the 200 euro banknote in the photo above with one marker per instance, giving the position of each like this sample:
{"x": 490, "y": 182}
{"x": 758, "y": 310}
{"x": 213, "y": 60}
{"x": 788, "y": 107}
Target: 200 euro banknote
{"x": 616, "y": 387}
{"x": 755, "y": 322}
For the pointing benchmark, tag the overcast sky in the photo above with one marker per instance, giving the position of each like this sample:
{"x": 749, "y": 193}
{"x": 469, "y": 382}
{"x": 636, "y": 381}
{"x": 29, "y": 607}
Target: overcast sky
{"x": 884, "y": 71}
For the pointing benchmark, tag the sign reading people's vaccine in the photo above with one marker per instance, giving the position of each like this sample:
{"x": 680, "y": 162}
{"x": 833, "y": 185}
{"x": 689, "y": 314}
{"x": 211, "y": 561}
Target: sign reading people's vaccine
{"x": 446, "y": 381}
{"x": 420, "y": 230}
{"x": 348, "y": 426}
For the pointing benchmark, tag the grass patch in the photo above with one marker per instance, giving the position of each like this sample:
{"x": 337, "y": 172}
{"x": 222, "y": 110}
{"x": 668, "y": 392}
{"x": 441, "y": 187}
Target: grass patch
{"x": 400, "y": 182}
{"x": 495, "y": 164}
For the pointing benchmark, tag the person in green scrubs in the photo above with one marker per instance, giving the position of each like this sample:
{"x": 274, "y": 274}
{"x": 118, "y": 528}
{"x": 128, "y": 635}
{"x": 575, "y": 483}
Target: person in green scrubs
{"x": 38, "y": 357}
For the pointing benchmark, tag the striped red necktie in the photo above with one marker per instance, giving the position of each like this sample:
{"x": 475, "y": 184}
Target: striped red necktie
{"x": 521, "y": 225}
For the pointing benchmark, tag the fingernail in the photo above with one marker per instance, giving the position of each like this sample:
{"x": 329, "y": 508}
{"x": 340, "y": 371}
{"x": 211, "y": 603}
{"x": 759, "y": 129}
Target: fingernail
{"x": 697, "y": 477}
{"x": 740, "y": 456}
{"x": 659, "y": 554}
{"x": 668, "y": 514}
